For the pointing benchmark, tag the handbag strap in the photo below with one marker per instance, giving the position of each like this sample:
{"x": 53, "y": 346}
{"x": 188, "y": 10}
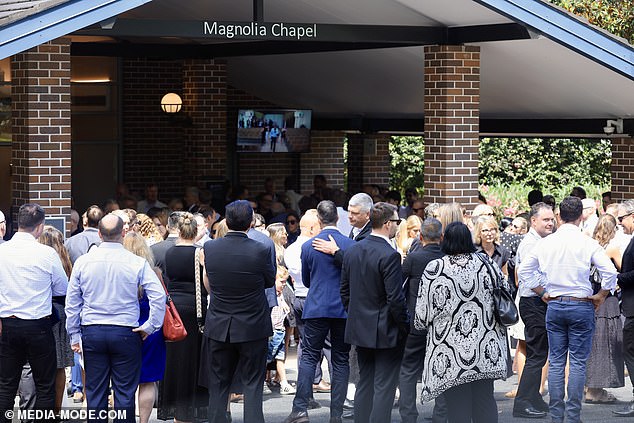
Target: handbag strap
{"x": 487, "y": 264}
{"x": 199, "y": 305}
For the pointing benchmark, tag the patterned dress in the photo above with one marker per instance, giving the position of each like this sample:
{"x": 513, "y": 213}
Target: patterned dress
{"x": 464, "y": 341}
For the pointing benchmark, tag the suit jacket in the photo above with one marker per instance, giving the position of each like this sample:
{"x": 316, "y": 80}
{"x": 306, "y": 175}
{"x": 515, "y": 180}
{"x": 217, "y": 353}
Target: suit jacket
{"x": 625, "y": 280}
{"x": 256, "y": 235}
{"x": 413, "y": 267}
{"x": 323, "y": 278}
{"x": 365, "y": 231}
{"x": 371, "y": 291}
{"x": 239, "y": 269}
{"x": 159, "y": 249}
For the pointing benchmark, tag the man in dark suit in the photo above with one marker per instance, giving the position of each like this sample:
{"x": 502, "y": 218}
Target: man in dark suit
{"x": 378, "y": 323}
{"x": 414, "y": 355}
{"x": 159, "y": 249}
{"x": 238, "y": 321}
{"x": 626, "y": 281}
{"x": 323, "y": 313}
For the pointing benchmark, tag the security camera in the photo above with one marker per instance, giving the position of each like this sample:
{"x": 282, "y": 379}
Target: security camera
{"x": 613, "y": 125}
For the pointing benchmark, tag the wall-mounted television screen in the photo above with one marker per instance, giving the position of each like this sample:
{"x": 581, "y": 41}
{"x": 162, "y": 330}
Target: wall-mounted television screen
{"x": 274, "y": 130}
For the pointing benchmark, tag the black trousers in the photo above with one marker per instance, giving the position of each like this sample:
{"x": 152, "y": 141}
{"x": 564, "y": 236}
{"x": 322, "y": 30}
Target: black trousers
{"x": 533, "y": 312}
{"x": 628, "y": 345}
{"x": 22, "y": 341}
{"x": 224, "y": 358}
{"x": 472, "y": 402}
{"x": 298, "y": 309}
{"x": 378, "y": 377}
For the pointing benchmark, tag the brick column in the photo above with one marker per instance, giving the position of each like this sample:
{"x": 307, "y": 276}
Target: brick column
{"x": 452, "y": 110}
{"x": 368, "y": 160}
{"x": 205, "y": 101}
{"x": 41, "y": 140}
{"x": 325, "y": 158}
{"x": 622, "y": 168}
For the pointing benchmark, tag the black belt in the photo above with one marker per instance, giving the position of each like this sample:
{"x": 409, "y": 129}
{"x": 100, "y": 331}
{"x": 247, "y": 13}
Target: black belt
{"x": 566, "y": 298}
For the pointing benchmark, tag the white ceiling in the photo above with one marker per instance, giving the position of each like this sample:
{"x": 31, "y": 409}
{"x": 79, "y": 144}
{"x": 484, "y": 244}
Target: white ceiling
{"x": 535, "y": 78}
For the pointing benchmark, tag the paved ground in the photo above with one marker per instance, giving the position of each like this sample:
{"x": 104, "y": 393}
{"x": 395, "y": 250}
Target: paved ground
{"x": 277, "y": 407}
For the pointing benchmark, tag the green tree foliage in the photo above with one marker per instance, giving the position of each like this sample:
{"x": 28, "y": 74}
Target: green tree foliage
{"x": 615, "y": 16}
{"x": 545, "y": 163}
{"x": 407, "y": 163}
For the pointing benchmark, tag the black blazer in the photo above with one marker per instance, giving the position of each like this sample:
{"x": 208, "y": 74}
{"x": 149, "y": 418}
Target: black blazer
{"x": 239, "y": 269}
{"x": 159, "y": 249}
{"x": 625, "y": 280}
{"x": 413, "y": 268}
{"x": 365, "y": 231}
{"x": 371, "y": 291}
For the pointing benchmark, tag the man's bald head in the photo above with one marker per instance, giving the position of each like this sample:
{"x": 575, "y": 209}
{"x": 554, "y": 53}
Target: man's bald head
{"x": 111, "y": 228}
{"x": 309, "y": 224}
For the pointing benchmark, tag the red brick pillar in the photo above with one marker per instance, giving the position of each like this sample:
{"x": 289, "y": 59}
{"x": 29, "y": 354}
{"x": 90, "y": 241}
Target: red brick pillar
{"x": 368, "y": 161}
{"x": 325, "y": 158}
{"x": 622, "y": 168}
{"x": 452, "y": 110}
{"x": 205, "y": 101}
{"x": 41, "y": 141}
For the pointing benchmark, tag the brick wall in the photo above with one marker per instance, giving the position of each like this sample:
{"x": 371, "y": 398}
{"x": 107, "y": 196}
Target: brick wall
{"x": 368, "y": 160}
{"x": 153, "y": 141}
{"x": 452, "y": 108}
{"x": 41, "y": 142}
{"x": 622, "y": 168}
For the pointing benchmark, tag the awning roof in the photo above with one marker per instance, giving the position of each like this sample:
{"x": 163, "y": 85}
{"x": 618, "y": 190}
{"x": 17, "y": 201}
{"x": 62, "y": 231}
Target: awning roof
{"x": 553, "y": 73}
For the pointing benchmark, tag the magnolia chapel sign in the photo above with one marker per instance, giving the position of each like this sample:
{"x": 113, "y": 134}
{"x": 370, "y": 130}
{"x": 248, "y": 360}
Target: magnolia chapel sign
{"x": 259, "y": 30}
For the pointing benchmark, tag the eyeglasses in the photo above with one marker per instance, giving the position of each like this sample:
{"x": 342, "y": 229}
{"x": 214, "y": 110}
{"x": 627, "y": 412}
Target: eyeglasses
{"x": 415, "y": 210}
{"x": 489, "y": 230}
{"x": 486, "y": 214}
{"x": 624, "y": 216}
{"x": 291, "y": 222}
{"x": 515, "y": 226}
{"x": 394, "y": 220}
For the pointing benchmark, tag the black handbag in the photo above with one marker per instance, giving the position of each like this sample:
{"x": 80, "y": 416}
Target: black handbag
{"x": 504, "y": 308}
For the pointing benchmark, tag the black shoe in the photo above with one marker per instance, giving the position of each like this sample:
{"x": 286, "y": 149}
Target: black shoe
{"x": 529, "y": 413}
{"x": 348, "y": 405}
{"x": 313, "y": 404}
{"x": 297, "y": 417}
{"x": 348, "y": 414}
{"x": 625, "y": 412}
{"x": 541, "y": 406}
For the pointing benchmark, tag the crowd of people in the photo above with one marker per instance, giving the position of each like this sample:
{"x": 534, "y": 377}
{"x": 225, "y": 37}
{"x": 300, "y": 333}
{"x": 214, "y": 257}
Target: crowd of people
{"x": 388, "y": 293}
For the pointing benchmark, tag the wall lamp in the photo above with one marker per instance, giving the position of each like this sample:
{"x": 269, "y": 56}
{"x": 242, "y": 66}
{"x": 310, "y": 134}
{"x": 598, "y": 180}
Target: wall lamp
{"x": 613, "y": 125}
{"x": 171, "y": 103}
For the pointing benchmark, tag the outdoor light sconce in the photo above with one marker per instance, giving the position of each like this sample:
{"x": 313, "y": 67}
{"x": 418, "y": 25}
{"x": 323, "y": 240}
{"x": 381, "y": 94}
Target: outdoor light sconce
{"x": 613, "y": 125}
{"x": 171, "y": 103}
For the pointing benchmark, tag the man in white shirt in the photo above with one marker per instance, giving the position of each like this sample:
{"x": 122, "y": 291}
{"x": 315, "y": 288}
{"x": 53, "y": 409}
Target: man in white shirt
{"x": 31, "y": 274}
{"x": 3, "y": 227}
{"x": 529, "y": 402}
{"x": 151, "y": 199}
{"x": 558, "y": 270}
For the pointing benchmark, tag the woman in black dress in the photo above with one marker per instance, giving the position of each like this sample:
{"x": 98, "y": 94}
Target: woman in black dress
{"x": 180, "y": 397}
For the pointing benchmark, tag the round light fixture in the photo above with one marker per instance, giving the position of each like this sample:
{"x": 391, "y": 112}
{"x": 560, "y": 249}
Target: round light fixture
{"x": 171, "y": 103}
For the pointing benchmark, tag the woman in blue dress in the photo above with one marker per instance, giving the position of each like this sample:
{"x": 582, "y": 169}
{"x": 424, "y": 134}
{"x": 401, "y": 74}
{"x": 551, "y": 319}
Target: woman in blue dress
{"x": 153, "y": 349}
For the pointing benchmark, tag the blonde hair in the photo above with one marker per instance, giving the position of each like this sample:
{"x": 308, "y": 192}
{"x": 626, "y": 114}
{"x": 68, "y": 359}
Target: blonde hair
{"x": 605, "y": 229}
{"x": 482, "y": 221}
{"x": 282, "y": 272}
{"x": 276, "y": 232}
{"x": 403, "y": 240}
{"x": 52, "y": 237}
{"x": 148, "y": 229}
{"x": 187, "y": 226}
{"x": 451, "y": 212}
{"x": 221, "y": 229}
{"x": 135, "y": 243}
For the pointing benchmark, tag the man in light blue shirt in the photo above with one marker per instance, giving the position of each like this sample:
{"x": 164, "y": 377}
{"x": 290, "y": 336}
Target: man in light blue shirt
{"x": 30, "y": 274}
{"x": 102, "y": 309}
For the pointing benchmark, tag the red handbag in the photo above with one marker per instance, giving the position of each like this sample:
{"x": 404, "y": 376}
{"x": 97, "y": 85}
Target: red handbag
{"x": 173, "y": 328}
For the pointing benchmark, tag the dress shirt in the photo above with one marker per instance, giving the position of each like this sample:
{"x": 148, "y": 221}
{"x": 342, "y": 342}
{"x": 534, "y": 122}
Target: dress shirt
{"x": 30, "y": 274}
{"x": 525, "y": 247}
{"x": 144, "y": 206}
{"x": 292, "y": 258}
{"x": 78, "y": 245}
{"x": 104, "y": 290}
{"x": 561, "y": 263}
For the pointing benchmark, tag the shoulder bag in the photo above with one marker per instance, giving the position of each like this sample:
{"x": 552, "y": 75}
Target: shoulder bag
{"x": 199, "y": 303}
{"x": 173, "y": 327}
{"x": 504, "y": 307}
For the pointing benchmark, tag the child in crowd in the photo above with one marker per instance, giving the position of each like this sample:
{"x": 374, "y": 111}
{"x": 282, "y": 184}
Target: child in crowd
{"x": 276, "y": 342}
